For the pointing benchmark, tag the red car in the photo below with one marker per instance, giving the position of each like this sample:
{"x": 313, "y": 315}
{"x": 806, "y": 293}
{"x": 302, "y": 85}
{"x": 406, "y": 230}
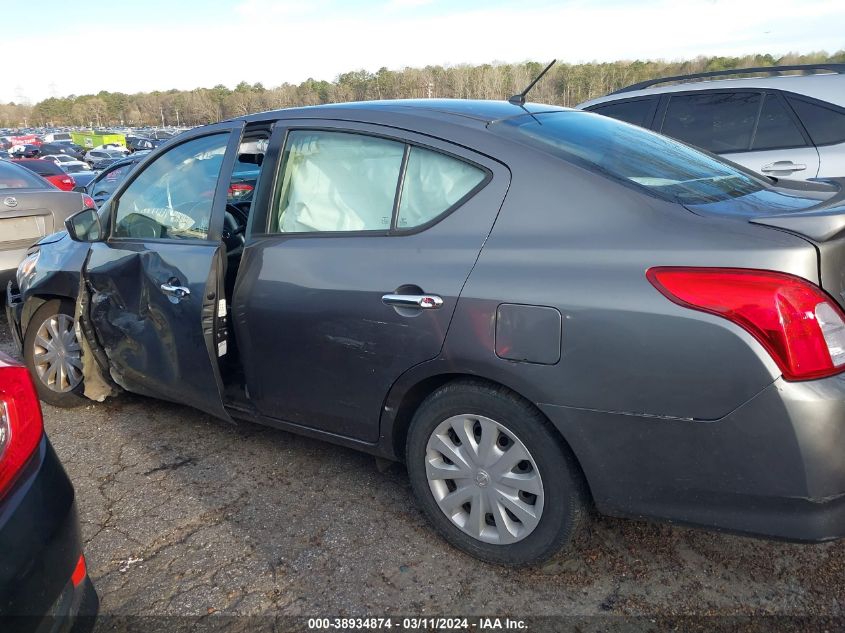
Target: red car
{"x": 48, "y": 170}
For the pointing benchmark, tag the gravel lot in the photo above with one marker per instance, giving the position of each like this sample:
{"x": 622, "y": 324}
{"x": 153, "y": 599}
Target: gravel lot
{"x": 184, "y": 514}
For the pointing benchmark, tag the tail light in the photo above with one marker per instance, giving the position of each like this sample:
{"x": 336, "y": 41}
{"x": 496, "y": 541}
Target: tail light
{"x": 21, "y": 426}
{"x": 239, "y": 189}
{"x": 88, "y": 202}
{"x": 796, "y": 321}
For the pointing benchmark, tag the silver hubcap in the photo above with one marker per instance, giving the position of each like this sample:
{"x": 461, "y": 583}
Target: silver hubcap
{"x": 484, "y": 479}
{"x": 57, "y": 355}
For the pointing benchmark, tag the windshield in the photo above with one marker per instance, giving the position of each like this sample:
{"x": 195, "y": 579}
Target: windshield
{"x": 649, "y": 161}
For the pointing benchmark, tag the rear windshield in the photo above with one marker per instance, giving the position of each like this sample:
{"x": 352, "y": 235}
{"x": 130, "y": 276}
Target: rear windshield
{"x": 648, "y": 161}
{"x": 43, "y": 167}
{"x": 16, "y": 177}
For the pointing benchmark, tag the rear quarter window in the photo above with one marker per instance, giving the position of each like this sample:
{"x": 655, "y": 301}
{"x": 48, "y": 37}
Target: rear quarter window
{"x": 637, "y": 111}
{"x": 825, "y": 125}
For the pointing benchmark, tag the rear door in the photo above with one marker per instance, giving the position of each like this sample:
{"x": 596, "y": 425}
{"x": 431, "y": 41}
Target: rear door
{"x": 156, "y": 281}
{"x": 753, "y": 128}
{"x": 353, "y": 272}
{"x": 825, "y": 124}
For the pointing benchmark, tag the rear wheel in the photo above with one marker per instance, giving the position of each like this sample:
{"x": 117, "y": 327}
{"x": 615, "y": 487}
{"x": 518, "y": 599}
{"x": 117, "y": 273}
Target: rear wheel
{"x": 491, "y": 475}
{"x": 53, "y": 354}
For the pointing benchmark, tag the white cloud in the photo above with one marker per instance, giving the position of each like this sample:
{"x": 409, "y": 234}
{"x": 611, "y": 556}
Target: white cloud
{"x": 275, "y": 42}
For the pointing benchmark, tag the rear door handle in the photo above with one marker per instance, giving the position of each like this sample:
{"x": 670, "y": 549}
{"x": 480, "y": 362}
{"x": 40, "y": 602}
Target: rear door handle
{"x": 424, "y": 302}
{"x": 177, "y": 292}
{"x": 783, "y": 165}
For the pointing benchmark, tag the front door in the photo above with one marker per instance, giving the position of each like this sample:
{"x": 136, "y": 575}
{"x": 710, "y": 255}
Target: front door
{"x": 156, "y": 281}
{"x": 367, "y": 241}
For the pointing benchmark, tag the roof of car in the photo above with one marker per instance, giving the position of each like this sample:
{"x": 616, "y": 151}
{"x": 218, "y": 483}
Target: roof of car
{"x": 827, "y": 87}
{"x": 483, "y": 111}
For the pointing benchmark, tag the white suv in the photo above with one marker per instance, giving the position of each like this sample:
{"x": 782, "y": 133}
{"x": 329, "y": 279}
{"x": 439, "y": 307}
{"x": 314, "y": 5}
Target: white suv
{"x": 787, "y": 126}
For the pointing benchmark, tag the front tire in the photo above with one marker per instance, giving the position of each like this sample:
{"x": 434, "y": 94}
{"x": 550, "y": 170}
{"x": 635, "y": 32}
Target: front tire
{"x": 53, "y": 354}
{"x": 492, "y": 476}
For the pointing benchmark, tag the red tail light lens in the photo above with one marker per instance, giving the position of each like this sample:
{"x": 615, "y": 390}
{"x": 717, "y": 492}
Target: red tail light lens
{"x": 20, "y": 422}
{"x": 239, "y": 189}
{"x": 88, "y": 202}
{"x": 796, "y": 321}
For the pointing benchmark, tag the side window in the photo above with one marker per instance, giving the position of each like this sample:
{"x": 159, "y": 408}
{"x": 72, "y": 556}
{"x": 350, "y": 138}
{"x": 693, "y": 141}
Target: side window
{"x": 776, "y": 129}
{"x": 173, "y": 196}
{"x": 433, "y": 183}
{"x": 716, "y": 121}
{"x": 336, "y": 181}
{"x": 637, "y": 112}
{"x": 824, "y": 125}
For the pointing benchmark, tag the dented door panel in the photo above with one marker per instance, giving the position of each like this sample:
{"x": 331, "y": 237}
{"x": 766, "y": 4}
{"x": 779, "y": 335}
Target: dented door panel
{"x": 157, "y": 344}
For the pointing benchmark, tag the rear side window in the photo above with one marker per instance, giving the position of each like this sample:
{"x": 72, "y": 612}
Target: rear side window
{"x": 16, "y": 177}
{"x": 825, "y": 126}
{"x": 776, "y": 129}
{"x": 343, "y": 182}
{"x": 715, "y": 121}
{"x": 335, "y": 181}
{"x": 637, "y": 112}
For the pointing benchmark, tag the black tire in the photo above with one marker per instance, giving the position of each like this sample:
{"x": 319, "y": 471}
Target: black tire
{"x": 564, "y": 508}
{"x": 73, "y": 398}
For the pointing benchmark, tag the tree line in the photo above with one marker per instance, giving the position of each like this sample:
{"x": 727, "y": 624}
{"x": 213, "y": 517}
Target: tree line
{"x": 565, "y": 84}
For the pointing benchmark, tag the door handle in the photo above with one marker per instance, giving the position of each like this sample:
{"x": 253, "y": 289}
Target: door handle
{"x": 424, "y": 302}
{"x": 178, "y": 292}
{"x": 783, "y": 165}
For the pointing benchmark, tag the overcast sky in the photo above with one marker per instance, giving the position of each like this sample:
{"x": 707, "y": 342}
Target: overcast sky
{"x": 57, "y": 48}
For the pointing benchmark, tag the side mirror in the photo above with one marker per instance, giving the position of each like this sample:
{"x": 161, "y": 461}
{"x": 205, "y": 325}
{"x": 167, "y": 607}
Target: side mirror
{"x": 84, "y": 226}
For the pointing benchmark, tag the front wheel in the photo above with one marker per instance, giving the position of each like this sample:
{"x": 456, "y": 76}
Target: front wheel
{"x": 491, "y": 475}
{"x": 53, "y": 354}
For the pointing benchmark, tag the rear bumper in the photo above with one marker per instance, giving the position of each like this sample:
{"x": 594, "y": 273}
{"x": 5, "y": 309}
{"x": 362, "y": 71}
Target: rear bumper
{"x": 14, "y": 312}
{"x": 9, "y": 261}
{"x": 41, "y": 545}
{"x": 774, "y": 467}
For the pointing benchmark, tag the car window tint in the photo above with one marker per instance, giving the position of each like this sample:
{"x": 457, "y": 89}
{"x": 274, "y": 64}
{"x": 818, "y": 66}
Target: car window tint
{"x": 824, "y": 125}
{"x": 637, "y": 112}
{"x": 776, "y": 128}
{"x": 633, "y": 156}
{"x": 173, "y": 196}
{"x": 433, "y": 183}
{"x": 16, "y": 177}
{"x": 716, "y": 121}
{"x": 336, "y": 181}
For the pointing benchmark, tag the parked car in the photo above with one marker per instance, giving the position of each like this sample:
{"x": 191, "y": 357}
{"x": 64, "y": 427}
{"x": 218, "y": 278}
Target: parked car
{"x": 82, "y": 175}
{"x": 788, "y": 126}
{"x": 96, "y": 157}
{"x": 537, "y": 309}
{"x": 30, "y": 208}
{"x": 25, "y": 151}
{"x": 104, "y": 183}
{"x": 135, "y": 143}
{"x": 44, "y": 583}
{"x": 49, "y": 171}
{"x": 74, "y": 151}
{"x": 65, "y": 160}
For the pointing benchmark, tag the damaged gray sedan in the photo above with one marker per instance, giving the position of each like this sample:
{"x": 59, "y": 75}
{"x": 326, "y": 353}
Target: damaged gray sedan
{"x": 538, "y": 310}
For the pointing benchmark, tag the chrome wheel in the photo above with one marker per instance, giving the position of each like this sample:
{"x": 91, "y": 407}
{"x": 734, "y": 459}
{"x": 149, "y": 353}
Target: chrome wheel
{"x": 484, "y": 479}
{"x": 57, "y": 355}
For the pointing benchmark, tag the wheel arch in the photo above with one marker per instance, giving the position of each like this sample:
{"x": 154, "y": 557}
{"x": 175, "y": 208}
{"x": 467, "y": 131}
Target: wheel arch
{"x": 401, "y": 407}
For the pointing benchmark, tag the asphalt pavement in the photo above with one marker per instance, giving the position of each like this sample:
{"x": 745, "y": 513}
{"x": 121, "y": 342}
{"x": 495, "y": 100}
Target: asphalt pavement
{"x": 183, "y": 514}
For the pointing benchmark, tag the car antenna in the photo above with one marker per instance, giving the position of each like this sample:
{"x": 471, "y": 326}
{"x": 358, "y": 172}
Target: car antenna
{"x": 519, "y": 99}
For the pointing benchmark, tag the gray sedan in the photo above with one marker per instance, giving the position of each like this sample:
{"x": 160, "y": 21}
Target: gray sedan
{"x": 30, "y": 208}
{"x": 538, "y": 310}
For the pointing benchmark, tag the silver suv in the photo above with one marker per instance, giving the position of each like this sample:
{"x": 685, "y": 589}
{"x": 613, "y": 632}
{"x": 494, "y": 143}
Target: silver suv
{"x": 785, "y": 126}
